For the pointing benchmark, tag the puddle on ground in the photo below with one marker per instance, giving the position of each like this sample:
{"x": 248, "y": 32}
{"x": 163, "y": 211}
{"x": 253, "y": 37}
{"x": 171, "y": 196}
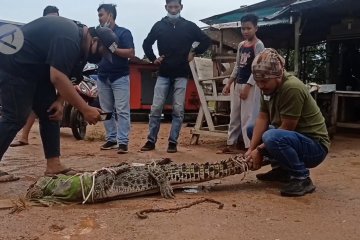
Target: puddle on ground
{"x": 194, "y": 189}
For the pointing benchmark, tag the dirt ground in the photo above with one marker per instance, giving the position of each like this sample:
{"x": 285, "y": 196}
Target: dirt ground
{"x": 252, "y": 209}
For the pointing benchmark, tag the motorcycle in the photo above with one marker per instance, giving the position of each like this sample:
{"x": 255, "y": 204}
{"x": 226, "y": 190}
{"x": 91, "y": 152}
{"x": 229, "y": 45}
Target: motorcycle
{"x": 87, "y": 89}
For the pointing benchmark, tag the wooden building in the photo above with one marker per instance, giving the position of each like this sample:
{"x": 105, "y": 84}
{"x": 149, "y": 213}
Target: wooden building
{"x": 298, "y": 24}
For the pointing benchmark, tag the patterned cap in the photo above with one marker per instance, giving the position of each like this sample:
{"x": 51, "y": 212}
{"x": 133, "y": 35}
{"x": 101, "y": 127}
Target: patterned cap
{"x": 268, "y": 64}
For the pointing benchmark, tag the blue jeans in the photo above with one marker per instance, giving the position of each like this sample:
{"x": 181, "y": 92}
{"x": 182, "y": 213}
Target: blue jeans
{"x": 292, "y": 151}
{"x": 161, "y": 92}
{"x": 19, "y": 96}
{"x": 114, "y": 97}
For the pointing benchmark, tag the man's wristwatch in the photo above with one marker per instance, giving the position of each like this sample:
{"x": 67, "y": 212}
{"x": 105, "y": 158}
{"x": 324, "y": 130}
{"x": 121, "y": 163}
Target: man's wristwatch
{"x": 261, "y": 150}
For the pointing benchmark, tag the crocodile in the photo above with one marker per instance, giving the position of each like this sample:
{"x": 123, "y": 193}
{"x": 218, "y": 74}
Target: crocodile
{"x": 126, "y": 180}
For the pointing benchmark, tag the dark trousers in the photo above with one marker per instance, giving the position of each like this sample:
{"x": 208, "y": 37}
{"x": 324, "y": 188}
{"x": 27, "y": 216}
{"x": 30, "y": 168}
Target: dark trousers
{"x": 292, "y": 151}
{"x": 19, "y": 96}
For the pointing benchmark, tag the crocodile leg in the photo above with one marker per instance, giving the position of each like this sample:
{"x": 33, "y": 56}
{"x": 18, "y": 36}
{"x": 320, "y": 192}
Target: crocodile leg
{"x": 161, "y": 179}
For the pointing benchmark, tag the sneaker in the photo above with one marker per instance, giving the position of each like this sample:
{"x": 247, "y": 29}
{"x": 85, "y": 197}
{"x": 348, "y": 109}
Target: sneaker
{"x": 148, "y": 146}
{"x": 122, "y": 149}
{"x": 298, "y": 187}
{"x": 172, "y": 148}
{"x": 109, "y": 145}
{"x": 274, "y": 175}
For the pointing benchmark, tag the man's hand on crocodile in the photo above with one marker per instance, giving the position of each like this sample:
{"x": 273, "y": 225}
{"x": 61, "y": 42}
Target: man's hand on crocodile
{"x": 254, "y": 158}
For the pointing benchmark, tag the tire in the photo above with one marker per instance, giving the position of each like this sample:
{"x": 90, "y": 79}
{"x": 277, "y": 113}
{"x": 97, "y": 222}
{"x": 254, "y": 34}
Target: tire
{"x": 65, "y": 122}
{"x": 77, "y": 124}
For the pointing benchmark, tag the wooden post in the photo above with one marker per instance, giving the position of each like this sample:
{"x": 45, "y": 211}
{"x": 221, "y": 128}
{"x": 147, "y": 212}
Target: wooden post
{"x": 328, "y": 57}
{"x": 287, "y": 57}
{"x": 297, "y": 45}
{"x": 303, "y": 66}
{"x": 334, "y": 113}
{"x": 221, "y": 41}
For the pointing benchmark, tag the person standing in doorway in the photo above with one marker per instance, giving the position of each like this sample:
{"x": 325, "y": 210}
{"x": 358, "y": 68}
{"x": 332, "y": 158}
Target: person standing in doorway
{"x": 114, "y": 83}
{"x": 175, "y": 37}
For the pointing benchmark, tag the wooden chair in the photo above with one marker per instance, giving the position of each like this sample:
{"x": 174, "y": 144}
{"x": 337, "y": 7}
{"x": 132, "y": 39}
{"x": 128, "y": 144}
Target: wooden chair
{"x": 207, "y": 86}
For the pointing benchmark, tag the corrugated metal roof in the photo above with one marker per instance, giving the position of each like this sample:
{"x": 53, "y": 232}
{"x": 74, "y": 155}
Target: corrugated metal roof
{"x": 260, "y": 24}
{"x": 270, "y": 12}
{"x": 236, "y": 16}
{"x": 262, "y": 10}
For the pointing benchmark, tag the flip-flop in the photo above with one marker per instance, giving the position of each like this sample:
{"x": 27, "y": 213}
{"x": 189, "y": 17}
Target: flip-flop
{"x": 6, "y": 177}
{"x": 18, "y": 143}
{"x": 67, "y": 172}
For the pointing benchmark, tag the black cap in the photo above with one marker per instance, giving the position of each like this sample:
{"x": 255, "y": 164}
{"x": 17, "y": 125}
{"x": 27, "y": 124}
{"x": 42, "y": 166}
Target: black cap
{"x": 107, "y": 37}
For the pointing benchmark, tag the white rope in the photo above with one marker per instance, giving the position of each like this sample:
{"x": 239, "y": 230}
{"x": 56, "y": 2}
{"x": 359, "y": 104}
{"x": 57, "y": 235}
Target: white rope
{"x": 91, "y": 190}
{"x": 153, "y": 163}
{"x": 82, "y": 186}
{"x": 244, "y": 165}
{"x": 93, "y": 176}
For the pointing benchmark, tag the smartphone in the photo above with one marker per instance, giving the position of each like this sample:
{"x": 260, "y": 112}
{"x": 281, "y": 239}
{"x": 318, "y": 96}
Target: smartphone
{"x": 106, "y": 116}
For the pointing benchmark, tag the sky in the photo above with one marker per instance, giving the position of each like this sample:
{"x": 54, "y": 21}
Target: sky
{"x": 136, "y": 15}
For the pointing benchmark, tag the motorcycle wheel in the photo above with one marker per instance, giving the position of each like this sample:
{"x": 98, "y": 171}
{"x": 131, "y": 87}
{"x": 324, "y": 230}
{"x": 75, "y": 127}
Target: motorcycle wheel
{"x": 78, "y": 124}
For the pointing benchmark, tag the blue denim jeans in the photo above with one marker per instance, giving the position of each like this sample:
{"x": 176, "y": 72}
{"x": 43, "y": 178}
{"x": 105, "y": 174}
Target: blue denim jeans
{"x": 292, "y": 151}
{"x": 114, "y": 97}
{"x": 19, "y": 96}
{"x": 161, "y": 91}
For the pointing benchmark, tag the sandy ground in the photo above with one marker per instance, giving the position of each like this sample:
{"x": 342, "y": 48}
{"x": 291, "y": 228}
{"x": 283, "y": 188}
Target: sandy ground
{"x": 252, "y": 209}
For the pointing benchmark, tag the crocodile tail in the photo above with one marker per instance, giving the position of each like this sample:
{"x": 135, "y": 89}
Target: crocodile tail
{"x": 194, "y": 172}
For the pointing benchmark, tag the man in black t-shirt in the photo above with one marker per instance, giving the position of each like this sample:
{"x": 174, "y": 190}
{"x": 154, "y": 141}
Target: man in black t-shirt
{"x": 31, "y": 78}
{"x": 24, "y": 136}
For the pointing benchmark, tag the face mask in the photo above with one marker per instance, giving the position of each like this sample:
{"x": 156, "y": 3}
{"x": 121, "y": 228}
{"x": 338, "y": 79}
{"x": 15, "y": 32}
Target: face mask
{"x": 106, "y": 25}
{"x": 171, "y": 16}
